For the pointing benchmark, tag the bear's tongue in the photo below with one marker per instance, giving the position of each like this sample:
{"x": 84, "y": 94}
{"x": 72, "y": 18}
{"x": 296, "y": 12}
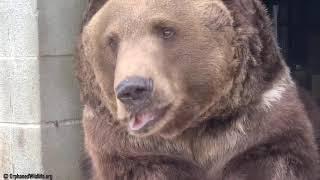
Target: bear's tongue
{"x": 140, "y": 120}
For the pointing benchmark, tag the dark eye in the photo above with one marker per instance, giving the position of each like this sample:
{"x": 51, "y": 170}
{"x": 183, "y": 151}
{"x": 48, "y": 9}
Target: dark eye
{"x": 167, "y": 33}
{"x": 113, "y": 43}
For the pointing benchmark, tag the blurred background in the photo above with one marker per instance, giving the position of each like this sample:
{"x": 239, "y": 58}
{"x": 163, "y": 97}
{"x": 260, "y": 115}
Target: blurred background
{"x": 297, "y": 25}
{"x": 40, "y": 111}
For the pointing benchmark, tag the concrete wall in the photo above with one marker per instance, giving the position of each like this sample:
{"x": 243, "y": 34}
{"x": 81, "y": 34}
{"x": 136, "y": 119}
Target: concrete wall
{"x": 40, "y": 127}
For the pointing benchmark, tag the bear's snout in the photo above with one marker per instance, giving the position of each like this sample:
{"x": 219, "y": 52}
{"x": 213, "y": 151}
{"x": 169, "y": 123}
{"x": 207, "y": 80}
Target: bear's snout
{"x": 134, "y": 91}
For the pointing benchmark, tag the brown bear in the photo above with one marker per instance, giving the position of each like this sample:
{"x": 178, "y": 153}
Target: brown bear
{"x": 191, "y": 90}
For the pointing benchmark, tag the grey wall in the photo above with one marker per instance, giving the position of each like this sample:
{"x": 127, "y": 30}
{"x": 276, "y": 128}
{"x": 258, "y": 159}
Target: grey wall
{"x": 40, "y": 127}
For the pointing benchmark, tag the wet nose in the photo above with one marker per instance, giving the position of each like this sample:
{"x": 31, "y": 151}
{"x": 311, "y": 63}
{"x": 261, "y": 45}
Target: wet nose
{"x": 134, "y": 90}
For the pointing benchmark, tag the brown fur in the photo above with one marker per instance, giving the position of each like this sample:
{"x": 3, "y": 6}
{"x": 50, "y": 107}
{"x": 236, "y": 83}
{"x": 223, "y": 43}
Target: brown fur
{"x": 233, "y": 110}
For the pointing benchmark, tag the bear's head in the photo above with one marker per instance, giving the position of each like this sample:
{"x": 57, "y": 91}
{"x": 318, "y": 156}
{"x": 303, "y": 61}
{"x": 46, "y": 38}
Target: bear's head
{"x": 164, "y": 66}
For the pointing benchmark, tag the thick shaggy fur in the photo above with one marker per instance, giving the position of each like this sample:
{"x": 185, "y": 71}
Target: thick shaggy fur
{"x": 242, "y": 116}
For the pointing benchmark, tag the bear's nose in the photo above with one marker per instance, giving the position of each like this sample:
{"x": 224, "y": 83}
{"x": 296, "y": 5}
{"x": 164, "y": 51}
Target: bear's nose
{"x": 134, "y": 90}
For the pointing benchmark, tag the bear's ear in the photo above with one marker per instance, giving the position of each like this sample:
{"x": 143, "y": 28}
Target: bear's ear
{"x": 92, "y": 8}
{"x": 215, "y": 14}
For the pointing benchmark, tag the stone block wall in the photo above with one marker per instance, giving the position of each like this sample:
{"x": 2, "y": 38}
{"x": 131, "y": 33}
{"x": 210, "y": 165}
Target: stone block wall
{"x": 40, "y": 127}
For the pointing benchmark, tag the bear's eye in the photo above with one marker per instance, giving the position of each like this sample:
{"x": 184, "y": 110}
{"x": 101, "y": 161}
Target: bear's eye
{"x": 113, "y": 43}
{"x": 167, "y": 33}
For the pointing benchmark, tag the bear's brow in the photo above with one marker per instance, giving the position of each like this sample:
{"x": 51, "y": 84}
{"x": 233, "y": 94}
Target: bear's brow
{"x": 163, "y": 21}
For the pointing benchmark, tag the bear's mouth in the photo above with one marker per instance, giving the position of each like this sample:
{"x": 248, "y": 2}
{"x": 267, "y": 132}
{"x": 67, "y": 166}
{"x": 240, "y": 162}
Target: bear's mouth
{"x": 146, "y": 118}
